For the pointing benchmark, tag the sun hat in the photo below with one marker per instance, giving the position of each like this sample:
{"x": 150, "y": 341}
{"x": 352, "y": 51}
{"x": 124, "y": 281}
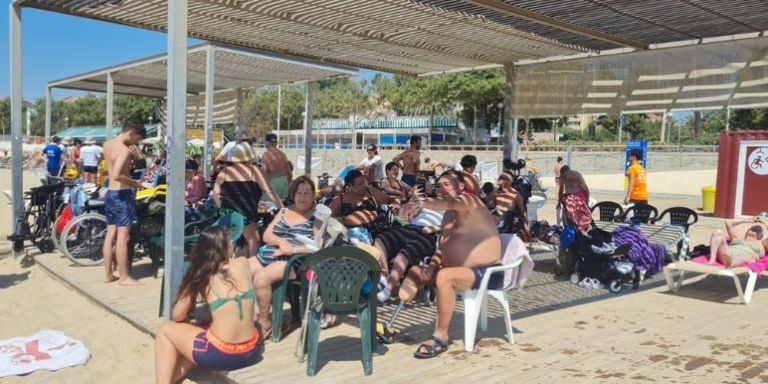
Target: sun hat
{"x": 242, "y": 153}
{"x": 89, "y": 140}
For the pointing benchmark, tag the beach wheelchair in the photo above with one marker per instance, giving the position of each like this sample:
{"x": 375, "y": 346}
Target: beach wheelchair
{"x": 41, "y": 205}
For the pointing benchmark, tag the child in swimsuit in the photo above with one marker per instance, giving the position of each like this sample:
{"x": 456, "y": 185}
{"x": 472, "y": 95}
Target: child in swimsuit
{"x": 231, "y": 341}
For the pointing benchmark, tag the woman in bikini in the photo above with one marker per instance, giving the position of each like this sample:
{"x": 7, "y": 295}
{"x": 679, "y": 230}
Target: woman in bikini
{"x": 393, "y": 186}
{"x": 507, "y": 201}
{"x": 239, "y": 188}
{"x": 358, "y": 204}
{"x": 232, "y": 341}
{"x": 280, "y": 243}
{"x": 732, "y": 250}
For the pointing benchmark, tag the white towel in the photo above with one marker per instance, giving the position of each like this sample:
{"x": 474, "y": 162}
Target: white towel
{"x": 50, "y": 350}
{"x": 513, "y": 249}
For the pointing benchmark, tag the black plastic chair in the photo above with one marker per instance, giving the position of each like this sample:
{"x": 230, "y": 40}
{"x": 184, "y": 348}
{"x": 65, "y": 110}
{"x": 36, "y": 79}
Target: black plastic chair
{"x": 644, "y": 213}
{"x": 680, "y": 216}
{"x": 608, "y": 210}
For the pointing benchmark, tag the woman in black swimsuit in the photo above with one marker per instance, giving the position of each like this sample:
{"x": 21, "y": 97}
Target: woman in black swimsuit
{"x": 239, "y": 187}
{"x": 358, "y": 203}
{"x": 393, "y": 186}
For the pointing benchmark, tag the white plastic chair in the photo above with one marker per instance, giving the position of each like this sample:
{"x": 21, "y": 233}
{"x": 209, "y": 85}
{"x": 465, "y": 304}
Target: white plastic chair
{"x": 476, "y": 306}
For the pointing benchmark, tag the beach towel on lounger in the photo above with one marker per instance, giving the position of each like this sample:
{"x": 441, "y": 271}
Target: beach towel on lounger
{"x": 50, "y": 350}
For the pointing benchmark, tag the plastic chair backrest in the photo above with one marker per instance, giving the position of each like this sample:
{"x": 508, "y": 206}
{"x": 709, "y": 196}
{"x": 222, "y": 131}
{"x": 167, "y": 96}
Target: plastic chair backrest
{"x": 235, "y": 222}
{"x": 680, "y": 216}
{"x": 608, "y": 210}
{"x": 642, "y": 212}
{"x": 341, "y": 272}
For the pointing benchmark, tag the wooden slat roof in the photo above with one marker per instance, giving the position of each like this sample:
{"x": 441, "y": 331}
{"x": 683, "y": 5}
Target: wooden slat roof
{"x": 235, "y": 68}
{"x": 427, "y": 36}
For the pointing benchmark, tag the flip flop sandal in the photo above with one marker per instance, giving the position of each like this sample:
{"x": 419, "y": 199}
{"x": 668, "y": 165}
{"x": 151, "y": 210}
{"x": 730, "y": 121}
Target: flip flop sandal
{"x": 432, "y": 350}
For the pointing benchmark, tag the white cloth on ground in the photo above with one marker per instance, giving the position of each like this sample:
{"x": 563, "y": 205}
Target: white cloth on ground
{"x": 50, "y": 350}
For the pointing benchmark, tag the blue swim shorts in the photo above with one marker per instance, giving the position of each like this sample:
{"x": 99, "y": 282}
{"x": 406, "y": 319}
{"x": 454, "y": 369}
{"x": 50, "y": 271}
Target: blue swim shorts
{"x": 121, "y": 207}
{"x": 409, "y": 179}
{"x": 495, "y": 282}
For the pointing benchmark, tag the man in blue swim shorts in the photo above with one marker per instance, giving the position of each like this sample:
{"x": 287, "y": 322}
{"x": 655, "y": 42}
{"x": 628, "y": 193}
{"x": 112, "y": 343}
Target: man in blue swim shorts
{"x": 411, "y": 161}
{"x": 120, "y": 203}
{"x": 469, "y": 244}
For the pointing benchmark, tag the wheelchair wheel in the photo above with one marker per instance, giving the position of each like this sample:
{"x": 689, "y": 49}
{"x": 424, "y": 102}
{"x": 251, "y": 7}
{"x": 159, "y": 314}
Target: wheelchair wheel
{"x": 430, "y": 295}
{"x": 46, "y": 246}
{"x": 615, "y": 286}
{"x": 83, "y": 237}
{"x": 18, "y": 246}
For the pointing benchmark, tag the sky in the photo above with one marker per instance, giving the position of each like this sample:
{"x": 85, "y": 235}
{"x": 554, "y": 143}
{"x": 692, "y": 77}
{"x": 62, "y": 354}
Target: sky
{"x": 55, "y": 46}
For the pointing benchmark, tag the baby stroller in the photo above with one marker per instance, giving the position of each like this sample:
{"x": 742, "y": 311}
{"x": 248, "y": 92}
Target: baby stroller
{"x": 597, "y": 258}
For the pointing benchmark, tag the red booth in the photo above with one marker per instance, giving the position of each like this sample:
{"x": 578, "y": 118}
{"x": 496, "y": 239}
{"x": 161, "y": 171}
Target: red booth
{"x": 742, "y": 174}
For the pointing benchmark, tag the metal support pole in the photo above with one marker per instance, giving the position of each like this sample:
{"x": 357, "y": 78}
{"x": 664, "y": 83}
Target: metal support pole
{"x": 210, "y": 75}
{"x": 621, "y": 127}
{"x": 48, "y": 111}
{"x": 177, "y": 116}
{"x": 279, "y": 109}
{"x": 308, "y": 99}
{"x": 728, "y": 118}
{"x": 510, "y": 122}
{"x": 663, "y": 126}
{"x": 239, "y": 110}
{"x": 110, "y": 106}
{"x": 14, "y": 18}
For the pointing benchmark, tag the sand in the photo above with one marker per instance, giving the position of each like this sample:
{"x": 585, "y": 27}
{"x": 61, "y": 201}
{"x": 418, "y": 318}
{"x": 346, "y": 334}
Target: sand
{"x": 30, "y": 301}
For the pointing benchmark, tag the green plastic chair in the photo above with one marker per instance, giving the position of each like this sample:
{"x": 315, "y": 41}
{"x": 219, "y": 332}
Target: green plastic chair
{"x": 235, "y": 222}
{"x": 341, "y": 272}
{"x": 296, "y": 288}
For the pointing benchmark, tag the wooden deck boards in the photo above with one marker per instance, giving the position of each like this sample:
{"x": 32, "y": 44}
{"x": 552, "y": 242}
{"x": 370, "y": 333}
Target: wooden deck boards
{"x": 644, "y": 336}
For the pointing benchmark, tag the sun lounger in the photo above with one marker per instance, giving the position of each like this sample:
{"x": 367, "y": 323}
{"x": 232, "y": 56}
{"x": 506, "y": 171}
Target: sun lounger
{"x": 675, "y": 273}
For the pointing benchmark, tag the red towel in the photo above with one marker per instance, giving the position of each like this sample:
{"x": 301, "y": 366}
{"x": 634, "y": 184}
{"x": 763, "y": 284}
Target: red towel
{"x": 757, "y": 266}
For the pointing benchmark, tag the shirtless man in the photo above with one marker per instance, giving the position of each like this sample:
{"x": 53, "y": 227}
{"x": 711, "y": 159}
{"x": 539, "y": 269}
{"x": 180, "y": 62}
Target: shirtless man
{"x": 276, "y": 166}
{"x": 558, "y": 166}
{"x": 410, "y": 161}
{"x": 469, "y": 244}
{"x": 121, "y": 201}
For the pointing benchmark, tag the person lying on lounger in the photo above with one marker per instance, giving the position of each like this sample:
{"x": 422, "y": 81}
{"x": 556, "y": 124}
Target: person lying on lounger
{"x": 732, "y": 250}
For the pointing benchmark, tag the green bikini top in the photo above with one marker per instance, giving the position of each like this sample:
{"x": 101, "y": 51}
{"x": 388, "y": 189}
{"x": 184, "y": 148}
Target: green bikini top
{"x": 238, "y": 298}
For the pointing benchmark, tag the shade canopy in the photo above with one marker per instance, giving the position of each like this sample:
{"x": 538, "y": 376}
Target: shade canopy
{"x": 423, "y": 36}
{"x": 696, "y": 77}
{"x": 235, "y": 68}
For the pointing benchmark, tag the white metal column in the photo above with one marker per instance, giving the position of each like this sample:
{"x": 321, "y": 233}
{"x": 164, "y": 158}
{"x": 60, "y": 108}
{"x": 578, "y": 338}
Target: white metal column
{"x": 210, "y": 75}
{"x": 510, "y": 120}
{"x": 279, "y": 108}
{"x": 14, "y": 18}
{"x": 48, "y": 102}
{"x": 308, "y": 99}
{"x": 110, "y": 106}
{"x": 177, "y": 111}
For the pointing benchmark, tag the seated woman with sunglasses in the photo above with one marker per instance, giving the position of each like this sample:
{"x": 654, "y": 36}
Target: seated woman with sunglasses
{"x": 358, "y": 203}
{"x": 232, "y": 341}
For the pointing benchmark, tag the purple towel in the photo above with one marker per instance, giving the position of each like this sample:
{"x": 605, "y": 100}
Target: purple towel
{"x": 650, "y": 257}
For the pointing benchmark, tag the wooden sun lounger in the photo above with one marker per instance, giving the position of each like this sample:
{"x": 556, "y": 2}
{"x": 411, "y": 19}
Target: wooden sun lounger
{"x": 675, "y": 281}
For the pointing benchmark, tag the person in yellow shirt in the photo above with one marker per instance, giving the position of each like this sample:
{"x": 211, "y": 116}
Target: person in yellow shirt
{"x": 638, "y": 188}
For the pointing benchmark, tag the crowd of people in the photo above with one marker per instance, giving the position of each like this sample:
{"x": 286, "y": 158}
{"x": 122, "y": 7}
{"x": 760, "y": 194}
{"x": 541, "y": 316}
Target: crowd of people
{"x": 447, "y": 233}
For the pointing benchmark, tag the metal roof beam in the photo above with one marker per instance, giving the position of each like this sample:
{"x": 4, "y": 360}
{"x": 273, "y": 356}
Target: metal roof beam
{"x": 522, "y": 13}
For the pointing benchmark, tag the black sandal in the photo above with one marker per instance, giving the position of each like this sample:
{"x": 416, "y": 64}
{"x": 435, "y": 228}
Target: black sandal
{"x": 432, "y": 350}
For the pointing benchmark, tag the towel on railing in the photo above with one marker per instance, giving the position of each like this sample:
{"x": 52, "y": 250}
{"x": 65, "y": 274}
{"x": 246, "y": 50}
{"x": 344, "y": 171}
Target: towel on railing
{"x": 512, "y": 250}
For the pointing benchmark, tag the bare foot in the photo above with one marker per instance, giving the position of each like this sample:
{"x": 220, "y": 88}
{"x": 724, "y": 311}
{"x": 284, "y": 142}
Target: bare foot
{"x": 266, "y": 328}
{"x": 110, "y": 279}
{"x": 129, "y": 281}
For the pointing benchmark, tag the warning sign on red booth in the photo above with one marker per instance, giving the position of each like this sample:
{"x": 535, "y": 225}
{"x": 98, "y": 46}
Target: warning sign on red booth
{"x": 755, "y": 182}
